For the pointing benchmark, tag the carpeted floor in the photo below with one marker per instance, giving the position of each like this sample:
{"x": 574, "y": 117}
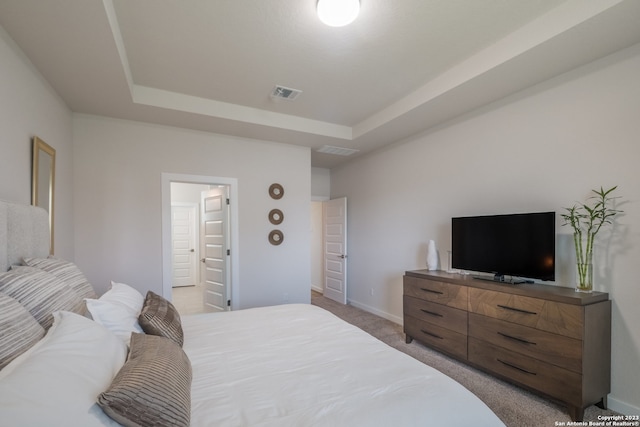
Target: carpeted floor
{"x": 514, "y": 406}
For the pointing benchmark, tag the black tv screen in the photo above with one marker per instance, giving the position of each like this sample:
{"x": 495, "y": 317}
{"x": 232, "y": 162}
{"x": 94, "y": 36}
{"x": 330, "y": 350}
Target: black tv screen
{"x": 517, "y": 245}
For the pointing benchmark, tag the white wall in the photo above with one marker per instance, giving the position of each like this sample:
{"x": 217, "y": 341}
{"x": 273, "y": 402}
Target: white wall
{"x": 320, "y": 183}
{"x": 28, "y": 108}
{"x": 540, "y": 150}
{"x": 118, "y": 204}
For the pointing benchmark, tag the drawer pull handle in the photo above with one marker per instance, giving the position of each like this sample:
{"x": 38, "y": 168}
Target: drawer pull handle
{"x": 516, "y": 367}
{"x": 430, "y": 334}
{"x": 432, "y": 291}
{"x": 432, "y": 313}
{"x": 523, "y": 341}
{"x": 519, "y": 310}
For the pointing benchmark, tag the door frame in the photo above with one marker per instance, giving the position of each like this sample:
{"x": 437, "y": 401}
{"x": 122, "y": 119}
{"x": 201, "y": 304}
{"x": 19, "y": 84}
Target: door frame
{"x": 232, "y": 183}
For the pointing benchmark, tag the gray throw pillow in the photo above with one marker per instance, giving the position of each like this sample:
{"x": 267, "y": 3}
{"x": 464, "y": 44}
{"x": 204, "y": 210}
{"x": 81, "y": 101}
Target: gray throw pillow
{"x": 41, "y": 293}
{"x": 153, "y": 388}
{"x": 20, "y": 330}
{"x": 66, "y": 271}
{"x": 160, "y": 317}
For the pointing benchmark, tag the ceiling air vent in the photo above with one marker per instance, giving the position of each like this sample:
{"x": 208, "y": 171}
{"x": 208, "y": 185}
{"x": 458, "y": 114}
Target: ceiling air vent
{"x": 281, "y": 92}
{"x": 339, "y": 151}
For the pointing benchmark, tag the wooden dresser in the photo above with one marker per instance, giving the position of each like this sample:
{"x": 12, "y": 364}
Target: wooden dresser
{"x": 548, "y": 339}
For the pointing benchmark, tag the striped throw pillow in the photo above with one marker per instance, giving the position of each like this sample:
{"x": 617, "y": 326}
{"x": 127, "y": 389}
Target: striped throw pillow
{"x": 40, "y": 293}
{"x": 20, "y": 331}
{"x": 160, "y": 317}
{"x": 66, "y": 271}
{"x": 153, "y": 388}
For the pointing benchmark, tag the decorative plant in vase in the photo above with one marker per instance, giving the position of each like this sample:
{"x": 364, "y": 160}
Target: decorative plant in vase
{"x": 586, "y": 221}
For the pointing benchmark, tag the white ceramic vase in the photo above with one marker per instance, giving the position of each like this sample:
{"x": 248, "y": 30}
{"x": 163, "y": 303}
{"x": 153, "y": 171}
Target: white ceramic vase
{"x": 432, "y": 256}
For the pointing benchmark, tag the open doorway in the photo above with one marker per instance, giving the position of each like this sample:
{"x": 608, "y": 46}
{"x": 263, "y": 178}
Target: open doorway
{"x": 178, "y": 193}
{"x": 329, "y": 248}
{"x": 187, "y": 285}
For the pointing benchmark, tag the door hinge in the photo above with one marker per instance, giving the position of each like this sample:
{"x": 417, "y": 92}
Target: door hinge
{"x": 228, "y": 252}
{"x": 227, "y": 201}
{"x": 228, "y": 303}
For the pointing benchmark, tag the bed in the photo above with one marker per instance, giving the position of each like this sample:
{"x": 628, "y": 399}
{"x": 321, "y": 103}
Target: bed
{"x": 287, "y": 365}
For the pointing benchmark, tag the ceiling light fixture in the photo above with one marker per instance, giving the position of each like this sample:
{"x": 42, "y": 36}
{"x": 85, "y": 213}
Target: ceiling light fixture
{"x": 338, "y": 13}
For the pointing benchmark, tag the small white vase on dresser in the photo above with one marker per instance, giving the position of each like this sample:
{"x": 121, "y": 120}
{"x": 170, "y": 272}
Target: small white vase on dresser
{"x": 432, "y": 256}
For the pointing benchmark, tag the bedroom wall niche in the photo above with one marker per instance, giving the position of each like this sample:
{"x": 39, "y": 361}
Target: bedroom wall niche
{"x": 43, "y": 167}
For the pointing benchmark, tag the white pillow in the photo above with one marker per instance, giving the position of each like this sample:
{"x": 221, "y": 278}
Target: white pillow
{"x": 116, "y": 317}
{"x": 56, "y": 382}
{"x": 124, "y": 294}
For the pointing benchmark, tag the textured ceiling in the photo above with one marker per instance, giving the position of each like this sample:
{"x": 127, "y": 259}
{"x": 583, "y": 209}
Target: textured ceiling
{"x": 402, "y": 67}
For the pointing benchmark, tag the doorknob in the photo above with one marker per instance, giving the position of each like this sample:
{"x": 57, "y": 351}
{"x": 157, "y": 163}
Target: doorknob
{"x": 202, "y": 260}
{"x": 192, "y": 250}
{"x": 343, "y": 256}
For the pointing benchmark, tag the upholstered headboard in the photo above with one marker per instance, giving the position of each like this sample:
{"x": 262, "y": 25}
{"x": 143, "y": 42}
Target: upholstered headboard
{"x": 24, "y": 232}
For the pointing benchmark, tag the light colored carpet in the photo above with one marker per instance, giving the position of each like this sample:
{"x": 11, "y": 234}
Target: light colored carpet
{"x": 516, "y": 407}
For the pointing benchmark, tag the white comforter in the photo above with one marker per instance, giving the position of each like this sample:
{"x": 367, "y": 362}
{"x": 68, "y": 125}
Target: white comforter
{"x": 299, "y": 365}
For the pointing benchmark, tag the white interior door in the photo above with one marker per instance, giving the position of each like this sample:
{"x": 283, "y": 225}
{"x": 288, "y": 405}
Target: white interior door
{"x": 334, "y": 218}
{"x": 215, "y": 256}
{"x": 183, "y": 244}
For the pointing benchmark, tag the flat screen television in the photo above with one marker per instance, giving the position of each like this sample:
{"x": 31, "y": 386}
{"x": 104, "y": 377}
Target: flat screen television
{"x": 516, "y": 245}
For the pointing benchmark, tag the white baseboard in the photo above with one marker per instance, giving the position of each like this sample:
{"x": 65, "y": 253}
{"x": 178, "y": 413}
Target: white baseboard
{"x": 622, "y": 407}
{"x": 317, "y": 288}
{"x": 373, "y": 310}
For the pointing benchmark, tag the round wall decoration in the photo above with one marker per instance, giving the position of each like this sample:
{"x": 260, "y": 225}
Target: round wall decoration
{"x": 276, "y": 237}
{"x": 276, "y": 216}
{"x": 276, "y": 191}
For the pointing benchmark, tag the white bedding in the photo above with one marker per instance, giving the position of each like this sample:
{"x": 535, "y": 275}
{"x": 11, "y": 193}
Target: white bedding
{"x": 299, "y": 365}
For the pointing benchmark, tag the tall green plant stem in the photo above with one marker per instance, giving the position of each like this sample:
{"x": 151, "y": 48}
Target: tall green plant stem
{"x": 586, "y": 222}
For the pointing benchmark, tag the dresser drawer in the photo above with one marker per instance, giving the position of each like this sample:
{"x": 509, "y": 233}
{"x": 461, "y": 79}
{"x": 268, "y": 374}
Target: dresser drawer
{"x": 549, "y": 379}
{"x": 555, "y": 349}
{"x": 439, "y": 292}
{"x": 437, "y": 337}
{"x": 437, "y": 314}
{"x": 551, "y": 316}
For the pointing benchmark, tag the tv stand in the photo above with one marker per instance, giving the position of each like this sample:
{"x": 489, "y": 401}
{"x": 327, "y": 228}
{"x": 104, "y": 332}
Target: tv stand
{"x": 501, "y": 279}
{"x": 547, "y": 339}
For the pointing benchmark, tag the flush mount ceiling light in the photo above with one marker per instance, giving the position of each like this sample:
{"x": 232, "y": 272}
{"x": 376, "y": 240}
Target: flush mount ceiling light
{"x": 338, "y": 13}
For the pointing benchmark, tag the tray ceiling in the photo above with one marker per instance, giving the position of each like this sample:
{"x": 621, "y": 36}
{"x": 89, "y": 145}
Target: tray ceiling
{"x": 401, "y": 68}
